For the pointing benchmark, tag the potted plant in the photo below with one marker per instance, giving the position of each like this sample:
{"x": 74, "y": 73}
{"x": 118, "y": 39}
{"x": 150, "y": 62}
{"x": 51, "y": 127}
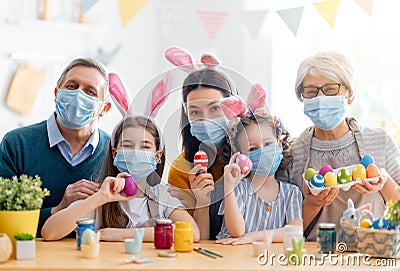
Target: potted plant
{"x": 25, "y": 246}
{"x": 20, "y": 201}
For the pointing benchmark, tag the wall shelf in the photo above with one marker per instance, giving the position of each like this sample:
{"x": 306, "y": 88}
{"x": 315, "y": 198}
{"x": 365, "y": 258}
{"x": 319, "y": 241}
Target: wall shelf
{"x": 60, "y": 26}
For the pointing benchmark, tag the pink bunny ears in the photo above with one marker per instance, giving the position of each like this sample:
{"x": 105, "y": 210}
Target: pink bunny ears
{"x": 120, "y": 95}
{"x": 181, "y": 58}
{"x": 122, "y": 100}
{"x": 234, "y": 106}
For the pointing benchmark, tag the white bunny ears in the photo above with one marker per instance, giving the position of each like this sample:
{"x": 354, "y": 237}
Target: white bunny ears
{"x": 121, "y": 98}
{"x": 179, "y": 57}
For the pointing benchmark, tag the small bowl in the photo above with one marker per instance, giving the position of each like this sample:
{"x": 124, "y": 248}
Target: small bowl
{"x": 260, "y": 248}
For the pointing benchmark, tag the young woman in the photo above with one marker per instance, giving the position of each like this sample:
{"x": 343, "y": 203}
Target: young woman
{"x": 135, "y": 149}
{"x": 203, "y": 126}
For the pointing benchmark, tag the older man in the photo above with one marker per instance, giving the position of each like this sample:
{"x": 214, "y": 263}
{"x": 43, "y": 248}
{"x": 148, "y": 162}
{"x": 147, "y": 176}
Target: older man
{"x": 68, "y": 149}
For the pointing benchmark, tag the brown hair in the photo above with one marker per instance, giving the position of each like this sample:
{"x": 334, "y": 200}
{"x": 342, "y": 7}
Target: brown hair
{"x": 112, "y": 214}
{"x": 205, "y": 78}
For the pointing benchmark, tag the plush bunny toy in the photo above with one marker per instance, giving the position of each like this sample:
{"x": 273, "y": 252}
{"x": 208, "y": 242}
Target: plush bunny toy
{"x": 349, "y": 221}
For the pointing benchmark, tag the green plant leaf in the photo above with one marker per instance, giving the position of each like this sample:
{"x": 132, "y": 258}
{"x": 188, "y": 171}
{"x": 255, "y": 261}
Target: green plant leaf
{"x": 22, "y": 193}
{"x": 23, "y": 236}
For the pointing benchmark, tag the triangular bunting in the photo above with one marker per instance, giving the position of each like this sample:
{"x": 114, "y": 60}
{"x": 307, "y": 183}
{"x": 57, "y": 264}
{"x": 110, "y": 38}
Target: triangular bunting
{"x": 129, "y": 8}
{"x": 87, "y": 4}
{"x": 212, "y": 21}
{"x": 328, "y": 10}
{"x": 253, "y": 21}
{"x": 169, "y": 15}
{"x": 367, "y": 5}
{"x": 291, "y": 17}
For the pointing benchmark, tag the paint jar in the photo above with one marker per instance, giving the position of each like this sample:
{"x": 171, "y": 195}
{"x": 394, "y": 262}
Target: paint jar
{"x": 326, "y": 238}
{"x": 163, "y": 233}
{"x": 83, "y": 224}
{"x": 183, "y": 236}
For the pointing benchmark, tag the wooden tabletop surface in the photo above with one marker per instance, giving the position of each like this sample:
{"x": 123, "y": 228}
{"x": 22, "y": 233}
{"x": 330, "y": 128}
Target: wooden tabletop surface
{"x": 63, "y": 255}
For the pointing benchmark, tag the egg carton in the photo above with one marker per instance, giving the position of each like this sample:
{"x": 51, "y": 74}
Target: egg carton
{"x": 345, "y": 186}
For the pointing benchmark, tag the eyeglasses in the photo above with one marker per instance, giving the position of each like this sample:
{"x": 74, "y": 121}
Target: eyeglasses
{"x": 327, "y": 90}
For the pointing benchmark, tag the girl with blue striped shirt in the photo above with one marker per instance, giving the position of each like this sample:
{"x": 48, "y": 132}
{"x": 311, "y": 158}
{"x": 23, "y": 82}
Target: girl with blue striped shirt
{"x": 257, "y": 203}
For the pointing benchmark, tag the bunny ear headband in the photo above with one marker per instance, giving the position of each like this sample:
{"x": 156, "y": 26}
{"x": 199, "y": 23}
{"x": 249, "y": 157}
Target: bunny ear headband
{"x": 181, "y": 58}
{"x": 236, "y": 109}
{"x": 121, "y": 98}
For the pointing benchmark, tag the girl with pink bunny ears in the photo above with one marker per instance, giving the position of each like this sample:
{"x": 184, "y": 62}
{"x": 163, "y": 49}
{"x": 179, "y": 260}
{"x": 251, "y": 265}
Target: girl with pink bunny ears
{"x": 256, "y": 204}
{"x": 136, "y": 149}
{"x": 203, "y": 126}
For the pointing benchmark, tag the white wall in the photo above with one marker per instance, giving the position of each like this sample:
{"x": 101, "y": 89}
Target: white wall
{"x": 370, "y": 42}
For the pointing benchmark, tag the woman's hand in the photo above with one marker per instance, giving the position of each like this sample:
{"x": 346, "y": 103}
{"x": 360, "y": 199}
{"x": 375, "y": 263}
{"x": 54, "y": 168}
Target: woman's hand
{"x": 201, "y": 184}
{"x": 366, "y": 187}
{"x": 326, "y": 197}
{"x": 232, "y": 173}
{"x": 111, "y": 188}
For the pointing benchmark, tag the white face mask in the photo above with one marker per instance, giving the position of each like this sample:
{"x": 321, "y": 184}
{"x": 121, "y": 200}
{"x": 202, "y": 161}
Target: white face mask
{"x": 326, "y": 112}
{"x": 138, "y": 163}
{"x": 74, "y": 108}
{"x": 214, "y": 130}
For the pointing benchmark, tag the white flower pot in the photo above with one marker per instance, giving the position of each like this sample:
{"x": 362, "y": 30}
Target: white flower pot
{"x": 25, "y": 249}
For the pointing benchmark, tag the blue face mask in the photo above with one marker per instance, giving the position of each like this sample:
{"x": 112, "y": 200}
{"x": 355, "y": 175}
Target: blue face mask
{"x": 138, "y": 163}
{"x": 326, "y": 112}
{"x": 266, "y": 160}
{"x": 74, "y": 108}
{"x": 214, "y": 130}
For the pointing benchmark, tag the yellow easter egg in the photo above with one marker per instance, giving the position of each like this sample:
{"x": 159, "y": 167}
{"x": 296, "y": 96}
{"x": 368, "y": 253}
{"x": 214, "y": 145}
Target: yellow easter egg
{"x": 330, "y": 179}
{"x": 359, "y": 172}
{"x": 365, "y": 223}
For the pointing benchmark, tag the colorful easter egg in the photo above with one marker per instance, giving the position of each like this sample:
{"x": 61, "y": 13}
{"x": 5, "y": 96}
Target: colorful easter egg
{"x": 372, "y": 171}
{"x": 367, "y": 160}
{"x": 330, "y": 179}
{"x": 317, "y": 181}
{"x": 365, "y": 223}
{"x": 201, "y": 158}
{"x": 344, "y": 176}
{"x": 324, "y": 169}
{"x": 244, "y": 163}
{"x": 131, "y": 187}
{"x": 359, "y": 172}
{"x": 310, "y": 172}
{"x": 380, "y": 223}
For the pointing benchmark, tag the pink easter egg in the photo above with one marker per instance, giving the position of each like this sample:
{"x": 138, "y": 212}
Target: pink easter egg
{"x": 244, "y": 163}
{"x": 233, "y": 107}
{"x": 131, "y": 187}
{"x": 324, "y": 169}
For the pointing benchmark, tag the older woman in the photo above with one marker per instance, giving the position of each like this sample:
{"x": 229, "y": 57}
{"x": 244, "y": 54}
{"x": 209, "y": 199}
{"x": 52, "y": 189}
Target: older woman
{"x": 325, "y": 84}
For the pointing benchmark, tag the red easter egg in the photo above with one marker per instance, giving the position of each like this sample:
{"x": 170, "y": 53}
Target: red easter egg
{"x": 131, "y": 187}
{"x": 372, "y": 171}
{"x": 201, "y": 158}
{"x": 244, "y": 163}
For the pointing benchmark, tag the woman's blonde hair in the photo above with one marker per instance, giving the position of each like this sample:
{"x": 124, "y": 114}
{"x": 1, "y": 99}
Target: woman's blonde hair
{"x": 329, "y": 65}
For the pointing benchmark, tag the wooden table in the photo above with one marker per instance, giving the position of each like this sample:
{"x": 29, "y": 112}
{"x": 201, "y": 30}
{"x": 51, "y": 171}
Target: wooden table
{"x": 62, "y": 255}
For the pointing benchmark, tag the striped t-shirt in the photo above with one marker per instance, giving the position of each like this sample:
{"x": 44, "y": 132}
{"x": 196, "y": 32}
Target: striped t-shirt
{"x": 259, "y": 214}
